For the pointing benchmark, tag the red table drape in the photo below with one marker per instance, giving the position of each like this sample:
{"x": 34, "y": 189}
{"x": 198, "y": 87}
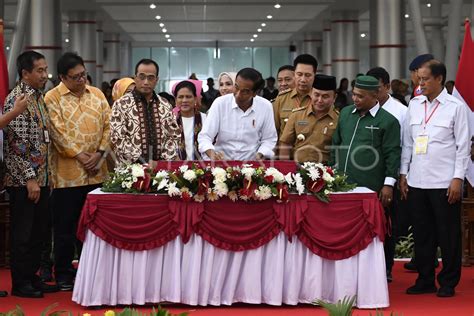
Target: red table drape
{"x": 337, "y": 230}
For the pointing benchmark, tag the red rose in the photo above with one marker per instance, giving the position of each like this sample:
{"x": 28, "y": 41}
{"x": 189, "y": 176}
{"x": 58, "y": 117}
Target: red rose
{"x": 268, "y": 179}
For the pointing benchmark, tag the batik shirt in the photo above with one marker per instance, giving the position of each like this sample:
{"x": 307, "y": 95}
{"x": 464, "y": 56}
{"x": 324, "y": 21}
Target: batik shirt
{"x": 142, "y": 131}
{"x": 78, "y": 125}
{"x": 26, "y": 147}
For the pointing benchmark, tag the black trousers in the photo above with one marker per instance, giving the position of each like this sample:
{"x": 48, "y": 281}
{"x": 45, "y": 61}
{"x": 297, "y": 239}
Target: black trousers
{"x": 67, "y": 204}
{"x": 436, "y": 223}
{"x": 29, "y": 229}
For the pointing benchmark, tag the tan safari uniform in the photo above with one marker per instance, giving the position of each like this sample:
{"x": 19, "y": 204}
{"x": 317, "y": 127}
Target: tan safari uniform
{"x": 310, "y": 136}
{"x": 286, "y": 101}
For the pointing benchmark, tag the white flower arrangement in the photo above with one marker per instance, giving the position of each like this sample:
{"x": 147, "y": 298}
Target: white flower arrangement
{"x": 189, "y": 175}
{"x": 278, "y": 177}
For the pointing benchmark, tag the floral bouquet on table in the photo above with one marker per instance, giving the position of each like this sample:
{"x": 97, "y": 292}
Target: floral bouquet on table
{"x": 320, "y": 180}
{"x": 245, "y": 182}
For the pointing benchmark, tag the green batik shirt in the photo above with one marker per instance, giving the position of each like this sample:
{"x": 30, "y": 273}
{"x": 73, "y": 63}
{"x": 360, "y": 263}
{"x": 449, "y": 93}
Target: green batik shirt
{"x": 367, "y": 148}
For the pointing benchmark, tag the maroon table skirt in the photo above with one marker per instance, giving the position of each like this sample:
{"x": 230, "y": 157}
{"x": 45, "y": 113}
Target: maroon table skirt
{"x": 334, "y": 231}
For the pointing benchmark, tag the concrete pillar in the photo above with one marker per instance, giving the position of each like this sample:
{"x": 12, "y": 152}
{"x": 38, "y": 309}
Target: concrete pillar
{"x": 99, "y": 55}
{"x": 327, "y": 51}
{"x": 387, "y": 40}
{"x": 453, "y": 38}
{"x": 311, "y": 45}
{"x": 82, "y": 38}
{"x": 126, "y": 59}
{"x": 345, "y": 45}
{"x": 17, "y": 39}
{"x": 111, "y": 56}
{"x": 437, "y": 41}
{"x": 418, "y": 28}
{"x": 45, "y": 31}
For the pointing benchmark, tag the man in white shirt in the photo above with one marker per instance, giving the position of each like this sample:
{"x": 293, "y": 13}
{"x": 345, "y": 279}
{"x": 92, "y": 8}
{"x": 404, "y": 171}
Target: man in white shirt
{"x": 435, "y": 156}
{"x": 240, "y": 126}
{"x": 394, "y": 107}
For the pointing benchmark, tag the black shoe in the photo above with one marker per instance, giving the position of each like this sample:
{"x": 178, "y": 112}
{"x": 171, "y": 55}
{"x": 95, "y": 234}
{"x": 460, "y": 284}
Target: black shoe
{"x": 3, "y": 293}
{"x": 445, "y": 291}
{"x": 419, "y": 289}
{"x": 45, "y": 274}
{"x": 45, "y": 288}
{"x": 26, "y": 291}
{"x": 389, "y": 276}
{"x": 65, "y": 285}
{"x": 411, "y": 265}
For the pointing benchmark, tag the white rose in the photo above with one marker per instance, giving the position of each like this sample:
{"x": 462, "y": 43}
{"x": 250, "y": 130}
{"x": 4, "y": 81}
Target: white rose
{"x": 137, "y": 171}
{"x": 263, "y": 193}
{"x": 183, "y": 168}
{"x": 277, "y": 175}
{"x": 300, "y": 137}
{"x": 327, "y": 177}
{"x": 248, "y": 172}
{"x": 219, "y": 174}
{"x": 221, "y": 189}
{"x": 189, "y": 175}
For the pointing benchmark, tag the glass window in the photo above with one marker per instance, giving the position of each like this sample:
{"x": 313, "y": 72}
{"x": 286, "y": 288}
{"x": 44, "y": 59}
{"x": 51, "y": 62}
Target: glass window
{"x": 224, "y": 63}
{"x": 200, "y": 62}
{"x": 161, "y": 56}
{"x": 179, "y": 63}
{"x": 139, "y": 53}
{"x": 280, "y": 57}
{"x": 242, "y": 58}
{"x": 262, "y": 60}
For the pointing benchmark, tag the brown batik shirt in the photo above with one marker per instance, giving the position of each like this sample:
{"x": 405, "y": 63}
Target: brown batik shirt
{"x": 142, "y": 131}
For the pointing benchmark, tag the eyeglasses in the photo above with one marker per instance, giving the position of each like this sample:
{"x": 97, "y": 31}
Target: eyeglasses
{"x": 78, "y": 76}
{"x": 149, "y": 77}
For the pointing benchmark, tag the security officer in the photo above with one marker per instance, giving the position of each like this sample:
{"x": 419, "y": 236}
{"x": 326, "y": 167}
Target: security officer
{"x": 309, "y": 128}
{"x": 305, "y": 70}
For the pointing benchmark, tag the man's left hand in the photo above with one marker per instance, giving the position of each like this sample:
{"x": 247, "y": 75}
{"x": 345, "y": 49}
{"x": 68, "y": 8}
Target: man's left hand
{"x": 454, "y": 191}
{"x": 92, "y": 161}
{"x": 386, "y": 195}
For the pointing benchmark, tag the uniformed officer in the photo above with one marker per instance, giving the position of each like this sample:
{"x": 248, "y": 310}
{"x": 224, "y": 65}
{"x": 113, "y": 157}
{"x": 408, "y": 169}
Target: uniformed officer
{"x": 309, "y": 128}
{"x": 305, "y": 70}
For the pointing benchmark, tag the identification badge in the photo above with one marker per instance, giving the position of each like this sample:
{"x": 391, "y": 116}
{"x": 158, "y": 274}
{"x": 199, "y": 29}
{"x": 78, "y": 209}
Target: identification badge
{"x": 302, "y": 123}
{"x": 46, "y": 136}
{"x": 421, "y": 144}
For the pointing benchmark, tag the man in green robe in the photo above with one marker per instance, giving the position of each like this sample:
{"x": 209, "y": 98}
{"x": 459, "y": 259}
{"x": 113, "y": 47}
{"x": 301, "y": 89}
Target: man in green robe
{"x": 366, "y": 143}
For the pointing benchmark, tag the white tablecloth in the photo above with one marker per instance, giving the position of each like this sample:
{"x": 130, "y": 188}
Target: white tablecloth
{"x": 198, "y": 273}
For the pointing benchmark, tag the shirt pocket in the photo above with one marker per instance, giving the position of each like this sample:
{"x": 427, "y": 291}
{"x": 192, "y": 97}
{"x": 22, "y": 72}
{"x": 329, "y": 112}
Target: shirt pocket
{"x": 442, "y": 130}
{"x": 415, "y": 126}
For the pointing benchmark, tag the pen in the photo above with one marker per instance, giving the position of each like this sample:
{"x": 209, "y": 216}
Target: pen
{"x": 253, "y": 123}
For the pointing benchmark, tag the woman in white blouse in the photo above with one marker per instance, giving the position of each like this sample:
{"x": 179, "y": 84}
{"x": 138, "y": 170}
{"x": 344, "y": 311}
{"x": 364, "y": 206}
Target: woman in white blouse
{"x": 189, "y": 118}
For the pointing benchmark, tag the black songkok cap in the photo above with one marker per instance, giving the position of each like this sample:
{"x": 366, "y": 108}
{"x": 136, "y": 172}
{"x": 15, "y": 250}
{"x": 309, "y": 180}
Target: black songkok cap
{"x": 324, "y": 82}
{"x": 420, "y": 60}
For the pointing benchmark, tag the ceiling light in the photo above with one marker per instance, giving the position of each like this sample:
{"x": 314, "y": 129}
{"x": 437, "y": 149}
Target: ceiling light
{"x": 255, "y": 35}
{"x": 263, "y": 24}
{"x": 407, "y": 16}
{"x": 259, "y": 30}
{"x": 167, "y": 35}
{"x": 162, "y": 24}
{"x": 363, "y": 35}
{"x": 164, "y": 30}
{"x": 152, "y": 6}
{"x": 269, "y": 17}
{"x": 67, "y": 40}
{"x": 428, "y": 5}
{"x": 8, "y": 47}
{"x": 252, "y": 40}
{"x": 158, "y": 17}
{"x": 169, "y": 39}
{"x": 277, "y": 6}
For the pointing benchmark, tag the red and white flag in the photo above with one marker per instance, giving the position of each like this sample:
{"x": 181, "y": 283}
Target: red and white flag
{"x": 463, "y": 87}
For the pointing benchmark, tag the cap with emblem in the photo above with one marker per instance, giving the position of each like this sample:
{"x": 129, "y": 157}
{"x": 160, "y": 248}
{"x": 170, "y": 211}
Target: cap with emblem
{"x": 367, "y": 83}
{"x": 324, "y": 82}
{"x": 419, "y": 60}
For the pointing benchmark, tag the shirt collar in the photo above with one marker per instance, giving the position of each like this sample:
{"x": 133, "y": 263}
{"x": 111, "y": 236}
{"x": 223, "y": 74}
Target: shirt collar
{"x": 63, "y": 90}
{"x": 236, "y": 106}
{"x": 29, "y": 90}
{"x": 441, "y": 98}
{"x": 332, "y": 112}
{"x": 373, "y": 111}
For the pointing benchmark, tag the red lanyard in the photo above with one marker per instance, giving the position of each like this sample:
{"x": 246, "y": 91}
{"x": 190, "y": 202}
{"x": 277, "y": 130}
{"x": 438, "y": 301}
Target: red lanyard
{"x": 432, "y": 112}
